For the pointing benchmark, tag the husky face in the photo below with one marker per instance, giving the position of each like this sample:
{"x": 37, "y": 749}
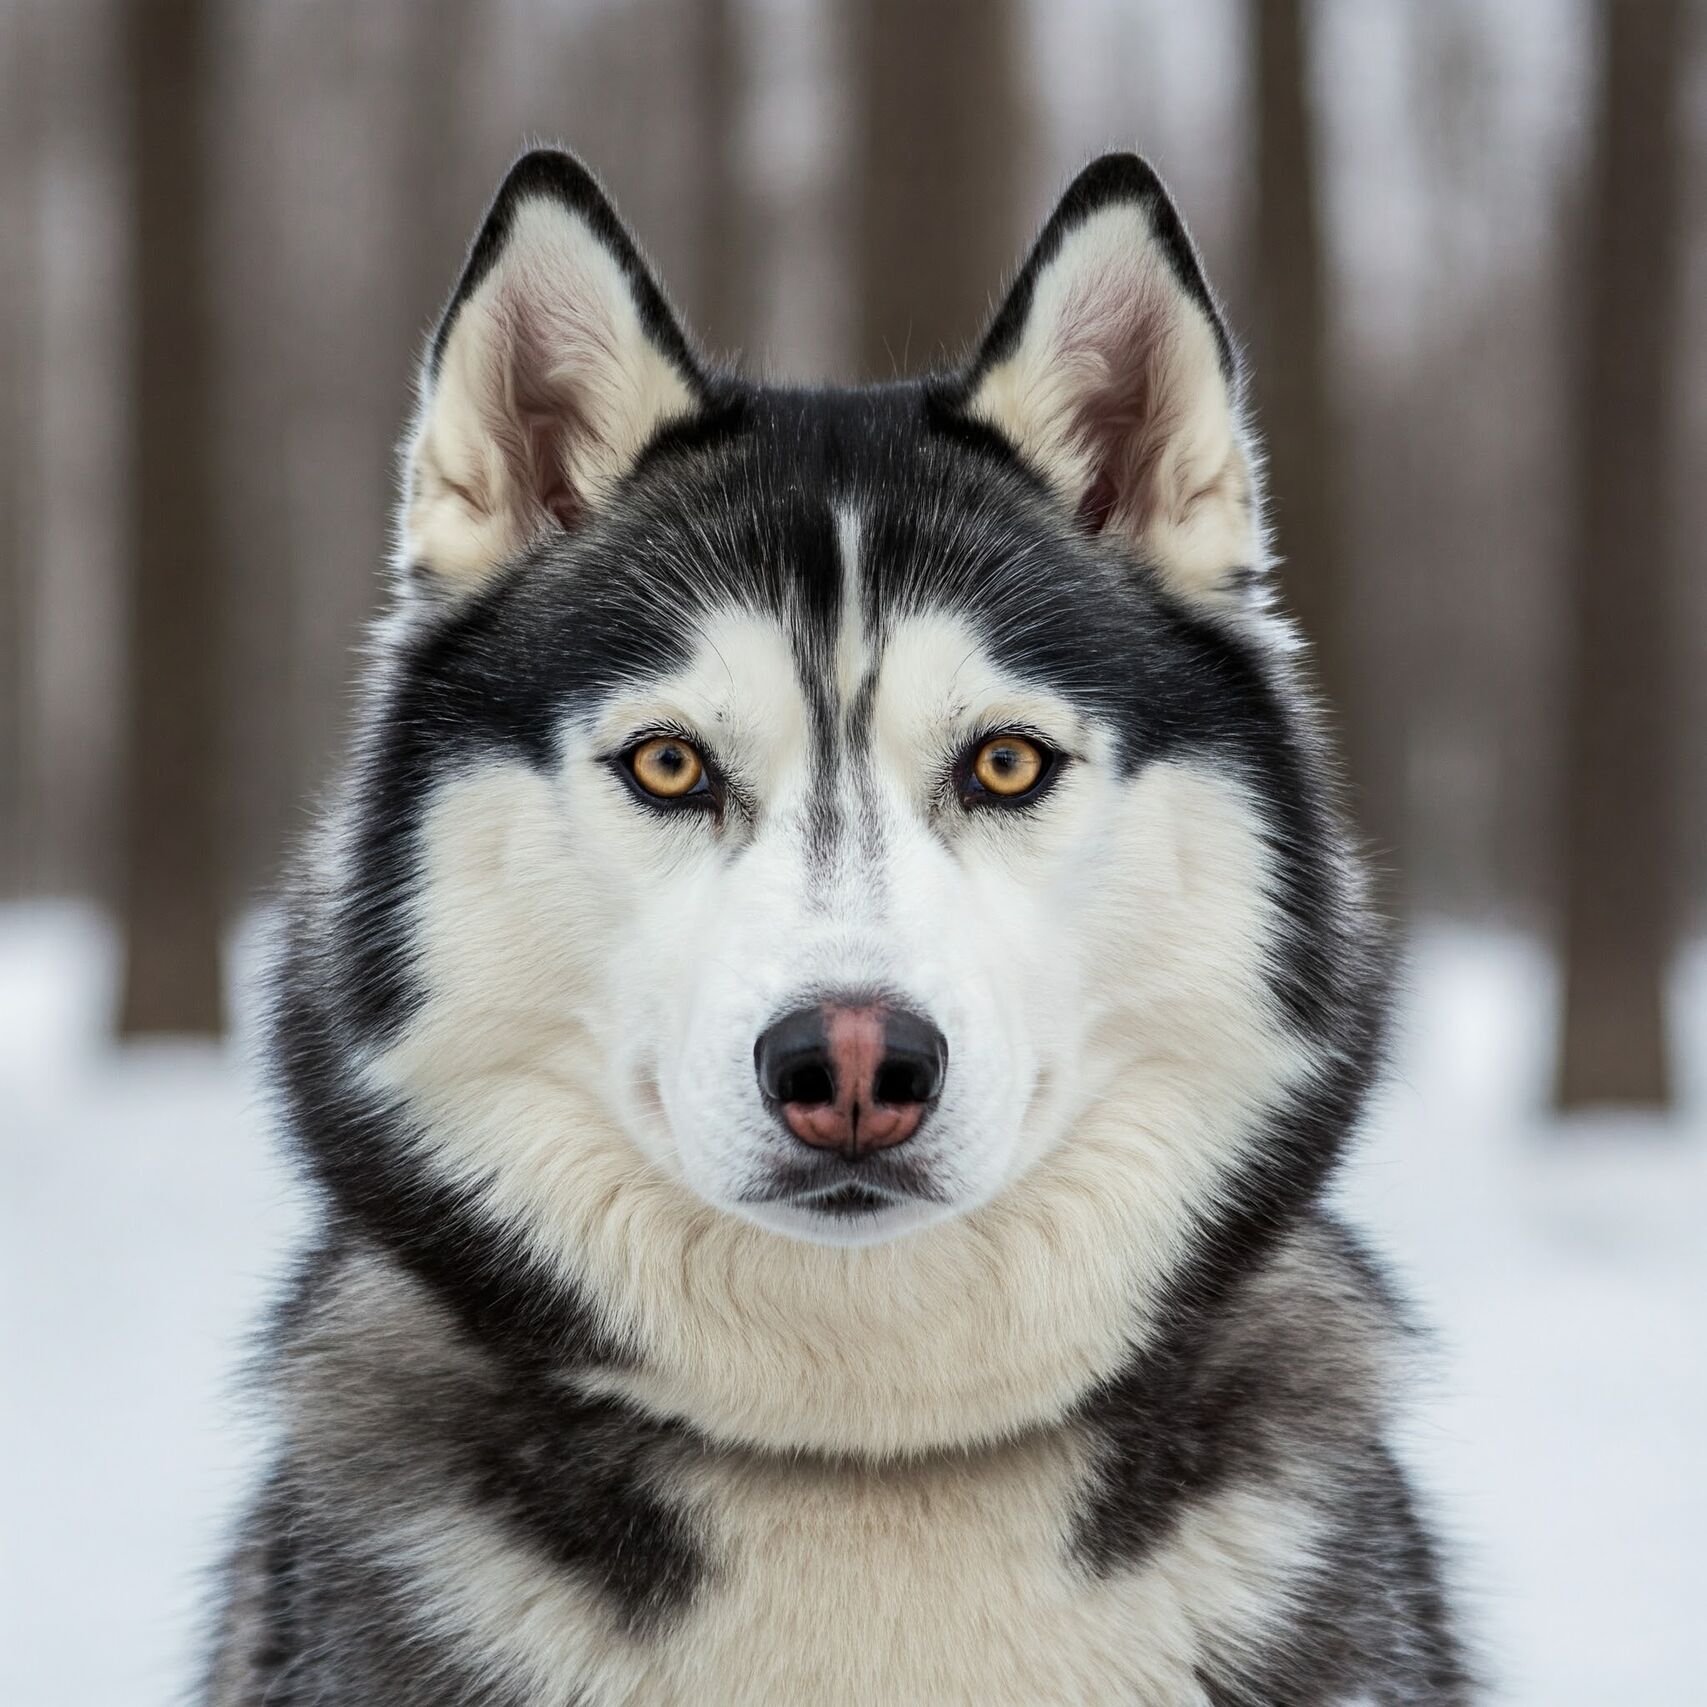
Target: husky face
{"x": 831, "y": 815}
{"x": 836, "y": 656}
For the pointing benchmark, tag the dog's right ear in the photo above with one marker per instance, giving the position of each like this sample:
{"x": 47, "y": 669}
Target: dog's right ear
{"x": 556, "y": 363}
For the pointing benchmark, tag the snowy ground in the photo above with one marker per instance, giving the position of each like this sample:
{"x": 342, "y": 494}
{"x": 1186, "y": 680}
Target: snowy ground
{"x": 1564, "y": 1266}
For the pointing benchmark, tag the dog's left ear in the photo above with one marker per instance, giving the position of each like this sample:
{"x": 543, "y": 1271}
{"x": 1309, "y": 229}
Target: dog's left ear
{"x": 1109, "y": 370}
{"x": 558, "y": 361}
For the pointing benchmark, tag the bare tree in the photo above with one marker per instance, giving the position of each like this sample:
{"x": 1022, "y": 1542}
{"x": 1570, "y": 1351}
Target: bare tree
{"x": 438, "y": 194}
{"x": 721, "y": 310}
{"x": 1619, "y": 850}
{"x": 943, "y": 141}
{"x": 171, "y": 841}
{"x": 1291, "y": 308}
{"x": 17, "y": 293}
{"x": 259, "y": 367}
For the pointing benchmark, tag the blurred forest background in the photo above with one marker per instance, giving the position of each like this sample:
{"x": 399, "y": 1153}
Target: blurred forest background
{"x": 1463, "y": 242}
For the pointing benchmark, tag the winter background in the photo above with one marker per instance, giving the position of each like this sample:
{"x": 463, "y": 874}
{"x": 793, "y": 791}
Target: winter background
{"x": 1419, "y": 212}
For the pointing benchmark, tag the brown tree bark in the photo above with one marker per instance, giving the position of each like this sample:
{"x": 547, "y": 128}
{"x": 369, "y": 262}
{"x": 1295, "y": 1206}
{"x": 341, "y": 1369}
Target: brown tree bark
{"x": 440, "y": 197}
{"x": 1620, "y": 778}
{"x": 721, "y": 307}
{"x": 943, "y": 137}
{"x": 171, "y": 838}
{"x": 18, "y": 261}
{"x": 258, "y": 312}
{"x": 1294, "y": 403}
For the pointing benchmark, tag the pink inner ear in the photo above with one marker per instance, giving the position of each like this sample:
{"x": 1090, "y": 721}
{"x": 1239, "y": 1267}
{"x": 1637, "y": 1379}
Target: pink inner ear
{"x": 545, "y": 346}
{"x": 545, "y": 435}
{"x": 1117, "y": 335}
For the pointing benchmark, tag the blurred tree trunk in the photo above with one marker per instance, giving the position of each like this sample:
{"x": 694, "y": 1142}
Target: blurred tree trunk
{"x": 171, "y": 838}
{"x": 258, "y": 314}
{"x": 943, "y": 134}
{"x": 440, "y": 205}
{"x": 721, "y": 308}
{"x": 18, "y": 262}
{"x": 1294, "y": 403}
{"x": 1620, "y": 777}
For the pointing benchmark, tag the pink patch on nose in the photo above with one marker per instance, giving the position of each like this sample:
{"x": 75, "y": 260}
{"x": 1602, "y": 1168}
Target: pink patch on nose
{"x": 854, "y": 1121}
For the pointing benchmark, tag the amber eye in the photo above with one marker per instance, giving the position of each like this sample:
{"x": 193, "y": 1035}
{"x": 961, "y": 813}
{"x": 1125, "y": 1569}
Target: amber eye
{"x": 1009, "y": 766}
{"x": 667, "y": 766}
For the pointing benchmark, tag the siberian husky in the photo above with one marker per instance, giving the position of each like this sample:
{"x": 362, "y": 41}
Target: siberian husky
{"x": 820, "y": 1023}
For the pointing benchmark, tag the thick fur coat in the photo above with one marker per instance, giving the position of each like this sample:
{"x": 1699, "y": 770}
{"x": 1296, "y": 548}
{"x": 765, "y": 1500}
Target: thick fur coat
{"x": 703, "y": 703}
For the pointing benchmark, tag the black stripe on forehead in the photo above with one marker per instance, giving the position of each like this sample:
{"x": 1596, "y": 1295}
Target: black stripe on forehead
{"x": 808, "y": 553}
{"x": 825, "y": 586}
{"x": 816, "y": 615}
{"x": 860, "y": 705}
{"x": 792, "y": 571}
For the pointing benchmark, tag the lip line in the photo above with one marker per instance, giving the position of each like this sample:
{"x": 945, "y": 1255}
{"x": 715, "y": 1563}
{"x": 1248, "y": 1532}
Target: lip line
{"x": 808, "y": 1199}
{"x": 861, "y": 1199}
{"x": 893, "y": 1186}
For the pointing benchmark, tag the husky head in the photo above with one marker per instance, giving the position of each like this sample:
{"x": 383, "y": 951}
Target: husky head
{"x": 878, "y": 823}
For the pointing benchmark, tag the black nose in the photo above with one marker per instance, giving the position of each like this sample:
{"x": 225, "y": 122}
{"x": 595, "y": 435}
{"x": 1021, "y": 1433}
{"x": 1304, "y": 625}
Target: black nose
{"x": 851, "y": 1076}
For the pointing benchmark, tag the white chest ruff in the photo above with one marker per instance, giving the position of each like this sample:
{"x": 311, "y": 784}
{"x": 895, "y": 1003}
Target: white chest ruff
{"x": 950, "y": 1581}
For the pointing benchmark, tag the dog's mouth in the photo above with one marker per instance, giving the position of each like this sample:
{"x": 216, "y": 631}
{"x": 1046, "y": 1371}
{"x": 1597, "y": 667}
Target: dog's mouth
{"x": 847, "y": 1202}
{"x": 843, "y": 1190}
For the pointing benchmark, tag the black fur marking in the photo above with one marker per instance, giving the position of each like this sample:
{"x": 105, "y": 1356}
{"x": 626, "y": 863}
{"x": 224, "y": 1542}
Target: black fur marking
{"x": 1227, "y": 1402}
{"x": 1373, "y": 1624}
{"x": 341, "y": 1627}
{"x": 494, "y": 675}
{"x": 363, "y": 1156}
{"x": 810, "y": 550}
{"x": 280, "y": 1546}
{"x": 431, "y": 1418}
{"x": 574, "y": 1477}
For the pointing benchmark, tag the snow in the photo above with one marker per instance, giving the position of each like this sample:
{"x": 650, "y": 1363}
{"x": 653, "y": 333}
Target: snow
{"x": 1561, "y": 1264}
{"x": 142, "y": 1219}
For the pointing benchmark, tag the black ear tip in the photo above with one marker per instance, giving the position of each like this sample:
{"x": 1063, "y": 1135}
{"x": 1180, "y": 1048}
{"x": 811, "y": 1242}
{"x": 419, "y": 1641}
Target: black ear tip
{"x": 1122, "y": 177}
{"x": 550, "y": 172}
{"x": 1119, "y": 175}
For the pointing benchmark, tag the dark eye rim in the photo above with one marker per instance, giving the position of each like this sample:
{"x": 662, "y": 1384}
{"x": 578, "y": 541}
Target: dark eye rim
{"x": 974, "y": 795}
{"x": 706, "y": 795}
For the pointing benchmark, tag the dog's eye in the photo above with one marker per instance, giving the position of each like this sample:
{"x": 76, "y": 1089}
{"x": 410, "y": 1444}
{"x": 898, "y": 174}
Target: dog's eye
{"x": 668, "y": 767}
{"x": 1007, "y": 768}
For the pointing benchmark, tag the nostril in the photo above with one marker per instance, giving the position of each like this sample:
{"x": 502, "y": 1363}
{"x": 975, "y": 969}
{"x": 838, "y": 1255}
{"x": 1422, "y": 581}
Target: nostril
{"x": 915, "y": 1059}
{"x": 902, "y": 1082}
{"x": 792, "y": 1058}
{"x": 806, "y": 1082}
